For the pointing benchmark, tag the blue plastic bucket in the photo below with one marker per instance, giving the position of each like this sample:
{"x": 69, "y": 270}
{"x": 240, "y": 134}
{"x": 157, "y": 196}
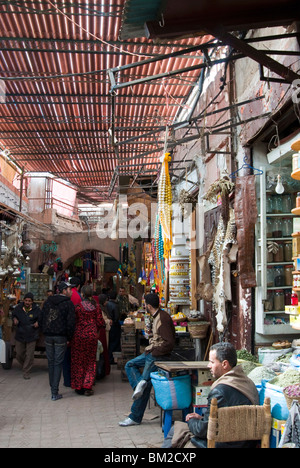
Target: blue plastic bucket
{"x": 175, "y": 393}
{"x": 279, "y": 408}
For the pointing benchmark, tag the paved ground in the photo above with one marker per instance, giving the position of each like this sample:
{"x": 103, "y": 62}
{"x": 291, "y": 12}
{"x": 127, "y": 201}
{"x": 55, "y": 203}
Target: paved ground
{"x": 29, "y": 419}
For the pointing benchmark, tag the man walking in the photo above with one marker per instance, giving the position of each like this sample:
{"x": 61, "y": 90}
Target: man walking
{"x": 161, "y": 345}
{"x": 58, "y": 325}
{"x": 25, "y": 318}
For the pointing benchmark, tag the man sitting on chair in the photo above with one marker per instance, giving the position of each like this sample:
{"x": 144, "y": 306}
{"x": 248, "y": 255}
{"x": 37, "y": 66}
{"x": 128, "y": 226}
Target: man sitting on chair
{"x": 232, "y": 388}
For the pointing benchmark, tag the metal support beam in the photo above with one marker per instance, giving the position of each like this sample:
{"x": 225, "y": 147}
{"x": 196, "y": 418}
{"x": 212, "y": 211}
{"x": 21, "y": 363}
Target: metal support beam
{"x": 257, "y": 55}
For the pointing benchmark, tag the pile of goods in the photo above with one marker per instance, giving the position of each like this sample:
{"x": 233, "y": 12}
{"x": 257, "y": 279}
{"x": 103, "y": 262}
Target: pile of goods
{"x": 281, "y": 344}
{"x": 291, "y": 393}
{"x": 247, "y": 361}
{"x": 261, "y": 373}
{"x": 195, "y": 316}
{"x": 179, "y": 317}
{"x": 128, "y": 321}
{"x": 289, "y": 377}
{"x": 245, "y": 355}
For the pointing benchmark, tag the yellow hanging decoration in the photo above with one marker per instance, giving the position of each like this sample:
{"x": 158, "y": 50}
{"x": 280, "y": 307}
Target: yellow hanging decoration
{"x": 165, "y": 205}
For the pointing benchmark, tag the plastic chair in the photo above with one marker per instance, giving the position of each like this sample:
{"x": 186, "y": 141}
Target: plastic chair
{"x": 167, "y": 419}
{"x": 238, "y": 423}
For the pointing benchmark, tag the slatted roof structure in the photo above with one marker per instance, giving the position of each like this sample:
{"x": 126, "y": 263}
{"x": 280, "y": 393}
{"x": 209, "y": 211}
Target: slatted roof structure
{"x": 58, "y": 112}
{"x": 89, "y": 95}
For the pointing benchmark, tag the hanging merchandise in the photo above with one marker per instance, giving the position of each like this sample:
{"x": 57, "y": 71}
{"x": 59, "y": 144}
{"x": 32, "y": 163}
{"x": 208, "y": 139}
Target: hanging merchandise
{"x": 163, "y": 227}
{"x": 215, "y": 264}
{"x": 132, "y": 267}
{"x": 291, "y": 434}
{"x": 165, "y": 205}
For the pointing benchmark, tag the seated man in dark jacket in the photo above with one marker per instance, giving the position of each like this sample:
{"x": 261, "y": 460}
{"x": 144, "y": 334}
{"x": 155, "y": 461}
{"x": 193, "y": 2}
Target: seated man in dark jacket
{"x": 232, "y": 388}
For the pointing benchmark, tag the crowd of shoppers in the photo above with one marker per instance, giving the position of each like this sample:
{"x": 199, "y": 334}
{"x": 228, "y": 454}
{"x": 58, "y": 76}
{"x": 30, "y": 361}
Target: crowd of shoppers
{"x": 73, "y": 322}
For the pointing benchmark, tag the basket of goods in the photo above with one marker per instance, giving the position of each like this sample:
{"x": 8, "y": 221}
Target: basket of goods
{"x": 195, "y": 316}
{"x": 291, "y": 393}
{"x": 281, "y": 344}
{"x": 179, "y": 317}
{"x": 198, "y": 329}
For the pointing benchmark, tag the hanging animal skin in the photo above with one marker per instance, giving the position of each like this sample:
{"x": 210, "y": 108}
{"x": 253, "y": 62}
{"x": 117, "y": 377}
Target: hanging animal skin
{"x": 245, "y": 217}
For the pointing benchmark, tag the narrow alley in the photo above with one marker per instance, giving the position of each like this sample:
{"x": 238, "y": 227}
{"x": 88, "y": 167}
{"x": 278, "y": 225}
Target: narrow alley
{"x": 29, "y": 419}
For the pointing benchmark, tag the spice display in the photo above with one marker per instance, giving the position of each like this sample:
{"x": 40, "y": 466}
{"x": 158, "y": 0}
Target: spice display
{"x": 279, "y": 300}
{"x": 284, "y": 358}
{"x": 287, "y": 227}
{"x": 244, "y": 354}
{"x": 289, "y": 377}
{"x": 288, "y": 275}
{"x": 248, "y": 366}
{"x": 287, "y": 203}
{"x": 287, "y": 248}
{"x": 260, "y": 373}
{"x": 279, "y": 276}
{"x": 277, "y": 227}
{"x": 278, "y": 256}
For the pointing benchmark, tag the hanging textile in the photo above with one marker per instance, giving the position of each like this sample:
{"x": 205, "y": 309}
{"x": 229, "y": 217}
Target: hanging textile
{"x": 291, "y": 434}
{"x": 245, "y": 208}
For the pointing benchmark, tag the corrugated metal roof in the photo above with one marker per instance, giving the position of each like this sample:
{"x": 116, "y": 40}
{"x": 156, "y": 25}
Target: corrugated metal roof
{"x": 57, "y": 111}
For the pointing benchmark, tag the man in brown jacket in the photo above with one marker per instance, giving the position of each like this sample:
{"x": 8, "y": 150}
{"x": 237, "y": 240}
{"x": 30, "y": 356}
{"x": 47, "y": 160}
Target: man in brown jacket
{"x": 160, "y": 347}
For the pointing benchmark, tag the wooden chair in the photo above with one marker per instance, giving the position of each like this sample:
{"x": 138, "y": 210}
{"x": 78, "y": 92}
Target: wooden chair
{"x": 238, "y": 423}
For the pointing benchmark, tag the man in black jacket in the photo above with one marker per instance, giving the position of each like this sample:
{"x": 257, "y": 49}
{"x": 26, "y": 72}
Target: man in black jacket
{"x": 113, "y": 313}
{"x": 25, "y": 318}
{"x": 231, "y": 388}
{"x": 58, "y": 325}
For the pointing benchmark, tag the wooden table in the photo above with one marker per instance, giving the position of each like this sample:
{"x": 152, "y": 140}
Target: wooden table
{"x": 172, "y": 366}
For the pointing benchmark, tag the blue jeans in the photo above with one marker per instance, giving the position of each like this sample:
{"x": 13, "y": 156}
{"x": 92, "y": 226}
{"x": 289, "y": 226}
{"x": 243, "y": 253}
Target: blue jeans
{"x": 55, "y": 350}
{"x": 134, "y": 376}
{"x": 132, "y": 368}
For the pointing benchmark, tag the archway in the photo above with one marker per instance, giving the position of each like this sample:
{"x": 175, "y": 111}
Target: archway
{"x": 93, "y": 266}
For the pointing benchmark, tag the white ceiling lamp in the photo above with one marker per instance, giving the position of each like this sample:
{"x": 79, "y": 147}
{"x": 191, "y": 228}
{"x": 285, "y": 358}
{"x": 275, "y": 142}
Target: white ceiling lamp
{"x": 279, "y": 187}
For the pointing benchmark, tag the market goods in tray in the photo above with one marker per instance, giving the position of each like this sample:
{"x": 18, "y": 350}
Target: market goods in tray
{"x": 195, "y": 316}
{"x": 281, "y": 344}
{"x": 289, "y": 377}
{"x": 291, "y": 393}
{"x": 179, "y": 317}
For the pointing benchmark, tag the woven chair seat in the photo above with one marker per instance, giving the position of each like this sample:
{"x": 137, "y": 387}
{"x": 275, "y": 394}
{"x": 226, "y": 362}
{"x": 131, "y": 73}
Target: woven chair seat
{"x": 238, "y": 423}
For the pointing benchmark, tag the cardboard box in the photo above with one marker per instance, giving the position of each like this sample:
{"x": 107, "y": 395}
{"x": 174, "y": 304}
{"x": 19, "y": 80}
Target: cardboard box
{"x": 276, "y": 432}
{"x": 139, "y": 324}
{"x": 292, "y": 310}
{"x": 201, "y": 410}
{"x": 199, "y": 376}
{"x": 295, "y": 321}
{"x": 200, "y": 394}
